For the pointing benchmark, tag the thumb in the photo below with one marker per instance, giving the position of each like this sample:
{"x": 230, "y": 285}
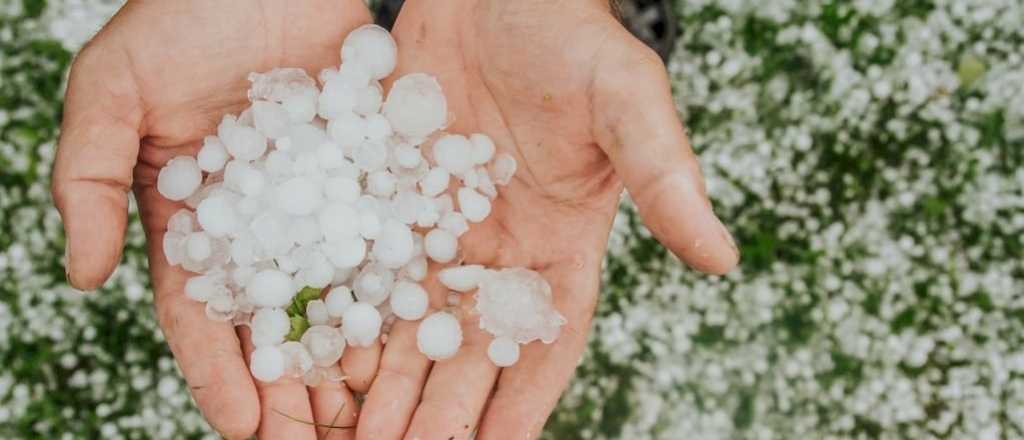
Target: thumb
{"x": 92, "y": 172}
{"x": 637, "y": 126}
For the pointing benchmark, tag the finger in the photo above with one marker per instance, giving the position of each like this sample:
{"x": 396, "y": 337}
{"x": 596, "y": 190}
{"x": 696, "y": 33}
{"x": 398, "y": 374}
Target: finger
{"x": 92, "y": 172}
{"x": 286, "y": 412}
{"x": 457, "y": 389}
{"x": 396, "y": 390}
{"x": 637, "y": 125}
{"x": 335, "y": 410}
{"x": 528, "y": 391}
{"x": 360, "y": 365}
{"x": 208, "y": 352}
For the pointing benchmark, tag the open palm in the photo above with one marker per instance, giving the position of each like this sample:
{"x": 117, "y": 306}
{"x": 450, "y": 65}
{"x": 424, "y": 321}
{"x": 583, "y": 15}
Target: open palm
{"x": 584, "y": 108}
{"x": 149, "y": 87}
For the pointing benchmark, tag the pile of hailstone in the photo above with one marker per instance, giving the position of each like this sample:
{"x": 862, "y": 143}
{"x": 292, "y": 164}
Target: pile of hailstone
{"x": 312, "y": 215}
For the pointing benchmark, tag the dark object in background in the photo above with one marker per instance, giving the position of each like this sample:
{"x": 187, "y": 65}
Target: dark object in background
{"x": 652, "y": 21}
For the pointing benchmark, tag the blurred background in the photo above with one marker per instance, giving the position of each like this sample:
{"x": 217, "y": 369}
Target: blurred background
{"x": 867, "y": 155}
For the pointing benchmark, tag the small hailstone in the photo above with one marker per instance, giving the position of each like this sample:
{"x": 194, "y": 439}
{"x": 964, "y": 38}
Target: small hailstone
{"x": 183, "y": 221}
{"x": 301, "y": 106}
{"x": 409, "y": 301}
{"x": 408, "y": 156}
{"x": 441, "y": 245}
{"x": 453, "y": 222}
{"x": 483, "y": 148}
{"x": 316, "y": 312}
{"x": 216, "y": 214}
{"x": 463, "y": 278}
{"x": 339, "y": 221}
{"x": 454, "y": 153}
{"x": 370, "y": 156}
{"x": 378, "y": 128}
{"x": 270, "y": 288}
{"x": 337, "y": 300}
{"x": 380, "y": 183}
{"x": 244, "y": 177}
{"x": 372, "y": 47}
{"x": 336, "y": 99}
{"x": 347, "y": 129}
{"x": 245, "y": 143}
{"x": 373, "y": 284}
{"x": 325, "y": 344}
{"x": 369, "y": 99}
{"x": 298, "y": 361}
{"x": 504, "y": 352}
{"x": 346, "y": 253}
{"x": 316, "y": 272}
{"x": 269, "y": 326}
{"x": 198, "y": 246}
{"x": 203, "y": 287}
{"x": 428, "y": 215}
{"x": 179, "y": 178}
{"x": 361, "y": 324}
{"x": 473, "y": 205}
{"x": 213, "y": 155}
{"x": 485, "y": 185}
{"x": 416, "y": 106}
{"x": 299, "y": 196}
{"x": 270, "y": 118}
{"x": 503, "y": 168}
{"x": 516, "y": 303}
{"x": 439, "y": 336}
{"x": 435, "y": 182}
{"x": 415, "y": 269}
{"x": 267, "y": 363}
{"x": 394, "y": 245}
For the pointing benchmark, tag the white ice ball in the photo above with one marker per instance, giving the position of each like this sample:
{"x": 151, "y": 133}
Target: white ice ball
{"x": 198, "y": 246}
{"x": 299, "y": 196}
{"x": 337, "y": 300}
{"x": 203, "y": 287}
{"x": 271, "y": 118}
{"x": 416, "y": 106}
{"x": 325, "y": 344}
{"x": 372, "y": 47}
{"x": 441, "y": 245}
{"x": 337, "y": 99}
{"x": 267, "y": 363}
{"x": 213, "y": 155}
{"x": 483, "y": 148}
{"x": 454, "y": 153}
{"x": 435, "y": 182}
{"x": 473, "y": 205}
{"x": 269, "y": 326}
{"x": 243, "y": 142}
{"x": 346, "y": 253}
{"x": 347, "y": 129}
{"x": 361, "y": 324}
{"x": 503, "y": 351}
{"x": 409, "y": 301}
{"x": 439, "y": 336}
{"x": 394, "y": 246}
{"x": 217, "y": 216}
{"x": 339, "y": 221}
{"x": 179, "y": 178}
{"x": 463, "y": 278}
{"x": 342, "y": 189}
{"x": 270, "y": 288}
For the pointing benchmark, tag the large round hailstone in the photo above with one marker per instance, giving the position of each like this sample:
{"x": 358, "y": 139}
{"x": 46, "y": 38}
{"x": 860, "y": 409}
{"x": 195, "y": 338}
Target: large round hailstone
{"x": 454, "y": 153}
{"x": 516, "y": 303}
{"x": 270, "y": 288}
{"x": 299, "y": 196}
{"x": 439, "y": 336}
{"x": 441, "y": 245}
{"x": 503, "y": 352}
{"x": 361, "y": 324}
{"x": 217, "y": 216}
{"x": 372, "y": 47}
{"x": 179, "y": 178}
{"x": 325, "y": 344}
{"x": 416, "y": 106}
{"x": 338, "y": 300}
{"x": 394, "y": 245}
{"x": 409, "y": 301}
{"x": 267, "y": 363}
{"x": 346, "y": 253}
{"x": 269, "y": 326}
{"x": 463, "y": 278}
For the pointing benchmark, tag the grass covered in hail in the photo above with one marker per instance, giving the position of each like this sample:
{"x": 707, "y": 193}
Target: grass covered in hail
{"x": 866, "y": 155}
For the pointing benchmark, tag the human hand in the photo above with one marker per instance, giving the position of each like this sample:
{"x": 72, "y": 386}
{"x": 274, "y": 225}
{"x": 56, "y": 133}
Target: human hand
{"x": 148, "y": 87}
{"x": 584, "y": 107}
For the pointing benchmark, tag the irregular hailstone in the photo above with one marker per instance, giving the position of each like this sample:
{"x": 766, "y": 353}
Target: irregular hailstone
{"x": 439, "y": 336}
{"x": 298, "y": 361}
{"x": 179, "y": 178}
{"x": 409, "y": 301}
{"x": 503, "y": 352}
{"x": 516, "y": 303}
{"x": 503, "y": 168}
{"x": 361, "y": 324}
{"x": 325, "y": 344}
{"x": 291, "y": 87}
{"x": 371, "y": 47}
{"x": 463, "y": 278}
{"x": 416, "y": 106}
{"x": 267, "y": 363}
{"x": 473, "y": 205}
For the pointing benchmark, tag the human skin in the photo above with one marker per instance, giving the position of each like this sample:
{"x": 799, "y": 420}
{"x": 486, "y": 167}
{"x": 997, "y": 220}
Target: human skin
{"x": 584, "y": 108}
{"x": 151, "y": 84}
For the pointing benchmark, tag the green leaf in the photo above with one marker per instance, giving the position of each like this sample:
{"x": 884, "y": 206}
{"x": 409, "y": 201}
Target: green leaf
{"x": 299, "y": 326}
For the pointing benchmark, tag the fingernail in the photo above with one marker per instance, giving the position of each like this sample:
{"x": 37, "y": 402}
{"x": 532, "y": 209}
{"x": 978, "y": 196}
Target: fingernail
{"x": 67, "y": 263}
{"x": 728, "y": 237}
